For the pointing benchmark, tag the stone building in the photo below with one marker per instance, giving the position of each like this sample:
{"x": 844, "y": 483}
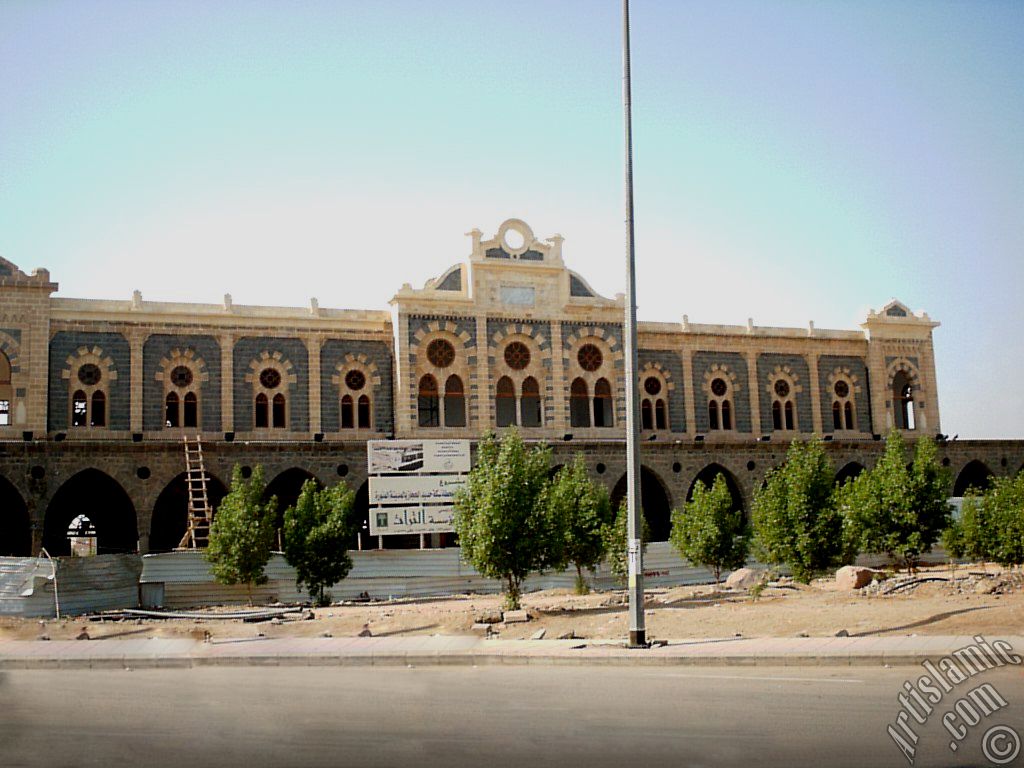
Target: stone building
{"x": 95, "y": 396}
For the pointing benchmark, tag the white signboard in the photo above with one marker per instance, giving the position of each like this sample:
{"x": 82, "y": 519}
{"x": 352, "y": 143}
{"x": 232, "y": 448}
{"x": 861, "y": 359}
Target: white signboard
{"x": 390, "y": 520}
{"x": 417, "y": 456}
{"x": 415, "y": 490}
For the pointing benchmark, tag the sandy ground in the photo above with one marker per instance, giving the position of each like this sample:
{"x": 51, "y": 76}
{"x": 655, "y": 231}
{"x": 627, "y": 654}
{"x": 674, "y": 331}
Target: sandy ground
{"x": 968, "y": 600}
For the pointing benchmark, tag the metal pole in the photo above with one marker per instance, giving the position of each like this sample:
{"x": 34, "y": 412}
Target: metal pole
{"x": 637, "y": 632}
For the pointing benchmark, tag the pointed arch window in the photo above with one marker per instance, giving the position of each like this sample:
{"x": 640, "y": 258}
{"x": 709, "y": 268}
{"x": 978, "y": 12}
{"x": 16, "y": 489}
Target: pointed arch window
{"x": 363, "y": 408}
{"x": 843, "y": 412}
{"x": 428, "y": 405}
{"x": 783, "y": 407}
{"x": 726, "y": 414}
{"x": 720, "y": 404}
{"x": 79, "y": 409}
{"x": 347, "y": 412}
{"x": 505, "y": 402}
{"x": 454, "y": 402}
{"x": 171, "y": 410}
{"x": 356, "y": 406}
{"x": 530, "y": 404}
{"x": 99, "y": 409}
{"x": 660, "y": 414}
{"x": 190, "y": 417}
{"x": 603, "y": 410}
{"x": 646, "y": 414}
{"x": 653, "y": 407}
{"x": 837, "y": 415}
{"x": 579, "y": 404}
{"x": 279, "y": 415}
{"x": 262, "y": 411}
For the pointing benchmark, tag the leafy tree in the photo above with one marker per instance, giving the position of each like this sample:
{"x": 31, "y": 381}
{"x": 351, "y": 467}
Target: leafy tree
{"x": 795, "y": 518}
{"x": 616, "y": 537}
{"x": 579, "y": 508}
{"x": 504, "y": 528}
{"x": 708, "y": 531}
{"x": 991, "y": 526}
{"x": 316, "y": 530}
{"x": 895, "y": 509}
{"x": 242, "y": 532}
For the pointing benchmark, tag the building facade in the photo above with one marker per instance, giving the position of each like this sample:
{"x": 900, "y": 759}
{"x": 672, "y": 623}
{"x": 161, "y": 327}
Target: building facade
{"x": 95, "y": 396}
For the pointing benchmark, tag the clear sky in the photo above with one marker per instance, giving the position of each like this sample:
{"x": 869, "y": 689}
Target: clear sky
{"x": 795, "y": 161}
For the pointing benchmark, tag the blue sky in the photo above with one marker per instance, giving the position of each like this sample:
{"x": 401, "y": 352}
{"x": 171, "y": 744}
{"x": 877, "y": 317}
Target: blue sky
{"x": 795, "y": 161}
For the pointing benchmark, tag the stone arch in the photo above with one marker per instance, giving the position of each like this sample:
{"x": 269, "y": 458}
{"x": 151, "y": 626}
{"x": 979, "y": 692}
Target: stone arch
{"x": 849, "y": 471}
{"x": 15, "y": 525}
{"x": 170, "y": 513}
{"x": 102, "y": 499}
{"x": 655, "y": 500}
{"x": 286, "y": 487}
{"x": 708, "y": 475}
{"x": 975, "y": 474}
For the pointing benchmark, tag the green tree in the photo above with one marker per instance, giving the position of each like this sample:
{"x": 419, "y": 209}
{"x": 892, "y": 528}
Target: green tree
{"x": 316, "y": 531}
{"x": 991, "y": 525}
{"x": 579, "y": 508}
{"x": 707, "y": 531}
{"x": 795, "y": 518}
{"x": 895, "y": 509}
{"x": 504, "y": 527}
{"x": 242, "y": 532}
{"x": 616, "y": 537}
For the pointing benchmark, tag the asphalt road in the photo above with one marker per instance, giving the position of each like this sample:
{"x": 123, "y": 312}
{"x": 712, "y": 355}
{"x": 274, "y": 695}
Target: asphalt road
{"x": 486, "y": 716}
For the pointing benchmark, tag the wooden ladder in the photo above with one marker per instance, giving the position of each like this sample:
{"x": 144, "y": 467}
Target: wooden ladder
{"x": 197, "y": 535}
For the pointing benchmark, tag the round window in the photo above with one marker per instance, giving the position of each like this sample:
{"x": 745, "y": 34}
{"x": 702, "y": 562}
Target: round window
{"x": 90, "y": 374}
{"x": 517, "y": 355}
{"x": 842, "y": 389}
{"x": 719, "y": 387}
{"x": 589, "y": 358}
{"x": 270, "y": 378}
{"x": 652, "y": 386}
{"x": 440, "y": 353}
{"x": 782, "y": 388}
{"x": 355, "y": 380}
{"x": 181, "y": 376}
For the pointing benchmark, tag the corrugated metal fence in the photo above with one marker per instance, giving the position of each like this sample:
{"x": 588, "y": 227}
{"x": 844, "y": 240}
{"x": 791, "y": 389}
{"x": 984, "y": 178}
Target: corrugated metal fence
{"x": 84, "y": 584}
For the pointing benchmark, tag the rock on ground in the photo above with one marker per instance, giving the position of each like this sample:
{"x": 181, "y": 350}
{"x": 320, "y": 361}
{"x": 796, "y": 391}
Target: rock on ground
{"x": 744, "y": 578}
{"x": 854, "y": 577}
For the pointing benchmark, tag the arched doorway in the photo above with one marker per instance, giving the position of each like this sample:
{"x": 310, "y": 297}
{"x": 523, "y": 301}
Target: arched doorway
{"x": 15, "y": 526}
{"x": 974, "y": 475}
{"x": 170, "y": 514}
{"x": 286, "y": 487}
{"x": 849, "y": 472}
{"x": 102, "y": 499}
{"x": 654, "y": 500}
{"x": 708, "y": 475}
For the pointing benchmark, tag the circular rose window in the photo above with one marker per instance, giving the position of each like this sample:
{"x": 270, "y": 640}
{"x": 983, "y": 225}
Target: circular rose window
{"x": 842, "y": 389}
{"x": 181, "y": 376}
{"x": 270, "y": 378}
{"x": 440, "y": 353}
{"x": 517, "y": 356}
{"x": 589, "y": 358}
{"x": 652, "y": 386}
{"x": 90, "y": 374}
{"x": 782, "y": 388}
{"x": 719, "y": 387}
{"x": 355, "y": 380}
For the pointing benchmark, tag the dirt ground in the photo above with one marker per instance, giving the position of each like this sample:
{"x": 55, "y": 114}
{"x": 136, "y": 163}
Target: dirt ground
{"x": 967, "y": 600}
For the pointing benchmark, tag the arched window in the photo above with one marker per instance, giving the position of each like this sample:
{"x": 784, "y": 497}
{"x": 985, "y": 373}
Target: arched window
{"x": 6, "y": 395}
{"x": 191, "y": 410}
{"x": 790, "y": 420}
{"x": 505, "y": 402}
{"x": 646, "y": 415}
{"x": 842, "y": 405}
{"x": 262, "y": 412}
{"x": 454, "y": 402}
{"x": 653, "y": 409}
{"x": 782, "y": 392}
{"x": 837, "y": 415}
{"x": 347, "y": 412}
{"x": 603, "y": 412}
{"x": 279, "y": 416}
{"x": 530, "y": 404}
{"x": 171, "y": 410}
{"x": 99, "y": 409}
{"x": 848, "y": 410}
{"x": 79, "y": 410}
{"x": 903, "y": 401}
{"x": 579, "y": 404}
{"x": 660, "y": 414}
{"x": 719, "y": 405}
{"x": 364, "y": 412}
{"x": 776, "y": 415}
{"x": 427, "y": 402}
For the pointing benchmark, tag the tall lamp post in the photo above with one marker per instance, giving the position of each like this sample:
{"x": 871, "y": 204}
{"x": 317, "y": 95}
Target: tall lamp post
{"x": 637, "y": 631}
